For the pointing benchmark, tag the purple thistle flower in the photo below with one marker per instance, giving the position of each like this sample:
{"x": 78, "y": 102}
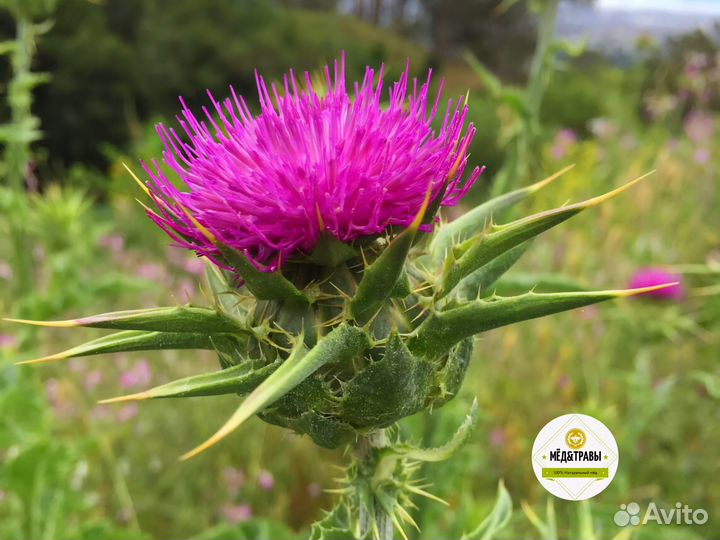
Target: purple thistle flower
{"x": 310, "y": 161}
{"x": 649, "y": 277}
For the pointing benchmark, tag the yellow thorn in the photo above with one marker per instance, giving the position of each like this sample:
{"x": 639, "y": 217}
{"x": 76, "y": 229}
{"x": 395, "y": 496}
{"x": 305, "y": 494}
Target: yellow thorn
{"x": 321, "y": 223}
{"x": 147, "y": 208}
{"x": 427, "y": 495}
{"x": 55, "y": 324}
{"x": 461, "y": 156}
{"x": 415, "y": 225}
{"x": 406, "y": 516}
{"x": 139, "y": 182}
{"x": 632, "y": 292}
{"x": 130, "y": 397}
{"x": 200, "y": 227}
{"x": 397, "y": 524}
{"x": 610, "y": 194}
{"x": 50, "y": 358}
{"x": 542, "y": 183}
{"x": 235, "y": 420}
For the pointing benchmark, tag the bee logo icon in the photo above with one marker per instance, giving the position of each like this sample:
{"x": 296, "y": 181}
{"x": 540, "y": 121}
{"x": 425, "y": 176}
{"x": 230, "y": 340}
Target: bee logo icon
{"x": 575, "y": 438}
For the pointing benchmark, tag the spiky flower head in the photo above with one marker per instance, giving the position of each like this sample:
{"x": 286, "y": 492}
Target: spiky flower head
{"x": 312, "y": 160}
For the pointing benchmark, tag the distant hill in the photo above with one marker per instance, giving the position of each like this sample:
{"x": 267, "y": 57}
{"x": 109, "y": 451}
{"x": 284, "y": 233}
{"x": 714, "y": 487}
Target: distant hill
{"x": 616, "y": 30}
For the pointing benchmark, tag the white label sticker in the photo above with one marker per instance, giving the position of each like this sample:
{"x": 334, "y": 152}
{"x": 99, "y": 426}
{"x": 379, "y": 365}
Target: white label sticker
{"x": 575, "y": 457}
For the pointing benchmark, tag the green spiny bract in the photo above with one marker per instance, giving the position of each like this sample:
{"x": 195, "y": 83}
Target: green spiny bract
{"x": 356, "y": 336}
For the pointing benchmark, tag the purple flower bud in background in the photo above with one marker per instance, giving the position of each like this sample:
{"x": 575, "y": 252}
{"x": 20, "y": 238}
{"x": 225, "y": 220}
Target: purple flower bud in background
{"x": 701, "y": 156}
{"x": 649, "y": 277}
{"x": 565, "y": 139}
{"x": 92, "y": 379}
{"x": 113, "y": 242}
{"x": 498, "y": 437}
{"x": 151, "y": 271}
{"x": 237, "y": 513}
{"x": 265, "y": 480}
{"x": 6, "y": 271}
{"x": 127, "y": 413}
{"x": 699, "y": 127}
{"x": 7, "y": 341}
{"x": 139, "y": 375}
{"x": 234, "y": 480}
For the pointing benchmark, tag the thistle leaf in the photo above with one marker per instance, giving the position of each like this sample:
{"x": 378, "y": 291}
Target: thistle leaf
{"x": 135, "y": 340}
{"x": 498, "y": 518}
{"x": 225, "y": 298}
{"x": 520, "y": 282}
{"x": 341, "y": 344}
{"x": 380, "y": 277}
{"x": 263, "y": 285}
{"x": 335, "y": 525}
{"x": 239, "y": 379}
{"x": 476, "y": 219}
{"x": 167, "y": 319}
{"x": 330, "y": 252}
{"x": 441, "y": 330}
{"x": 478, "y": 284}
{"x": 440, "y": 453}
{"x": 389, "y": 389}
{"x": 485, "y": 247}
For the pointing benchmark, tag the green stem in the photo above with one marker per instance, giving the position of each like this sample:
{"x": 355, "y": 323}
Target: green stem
{"x": 371, "y": 514}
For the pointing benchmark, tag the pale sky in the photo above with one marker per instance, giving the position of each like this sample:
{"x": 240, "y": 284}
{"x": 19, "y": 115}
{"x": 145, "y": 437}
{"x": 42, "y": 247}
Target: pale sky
{"x": 686, "y": 6}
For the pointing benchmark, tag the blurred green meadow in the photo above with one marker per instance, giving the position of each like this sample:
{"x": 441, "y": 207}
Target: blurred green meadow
{"x": 83, "y": 83}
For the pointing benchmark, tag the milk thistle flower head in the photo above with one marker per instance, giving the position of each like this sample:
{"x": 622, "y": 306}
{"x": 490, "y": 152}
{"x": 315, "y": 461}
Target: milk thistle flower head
{"x": 340, "y": 304}
{"x": 311, "y": 161}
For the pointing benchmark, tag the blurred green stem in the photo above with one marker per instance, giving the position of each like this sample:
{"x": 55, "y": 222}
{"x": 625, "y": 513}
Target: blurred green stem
{"x": 525, "y": 145}
{"x": 23, "y": 128}
{"x": 17, "y": 154}
{"x": 541, "y": 67}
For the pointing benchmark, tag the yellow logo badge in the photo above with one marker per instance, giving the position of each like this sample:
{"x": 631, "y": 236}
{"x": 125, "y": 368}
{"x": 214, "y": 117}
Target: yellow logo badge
{"x": 575, "y": 438}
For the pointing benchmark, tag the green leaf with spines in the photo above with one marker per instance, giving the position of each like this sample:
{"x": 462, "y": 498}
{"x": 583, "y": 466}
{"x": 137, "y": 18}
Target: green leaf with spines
{"x": 486, "y": 246}
{"x": 136, "y": 340}
{"x": 187, "y": 318}
{"x": 335, "y": 524}
{"x": 476, "y": 219}
{"x": 381, "y": 276}
{"x": 263, "y": 285}
{"x": 341, "y": 344}
{"x": 389, "y": 389}
{"x": 225, "y": 297}
{"x": 442, "y": 329}
{"x": 479, "y": 283}
{"x": 239, "y": 379}
{"x": 330, "y": 252}
{"x": 441, "y": 453}
{"x": 520, "y": 282}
